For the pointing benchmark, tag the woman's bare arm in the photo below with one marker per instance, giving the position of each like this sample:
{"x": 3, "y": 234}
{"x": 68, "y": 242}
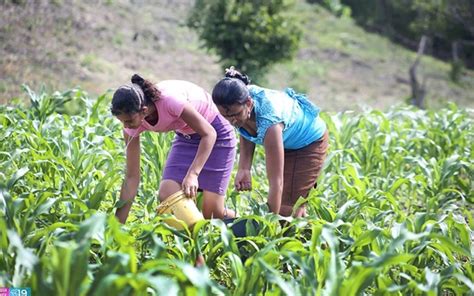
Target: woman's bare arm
{"x": 275, "y": 159}
{"x": 132, "y": 177}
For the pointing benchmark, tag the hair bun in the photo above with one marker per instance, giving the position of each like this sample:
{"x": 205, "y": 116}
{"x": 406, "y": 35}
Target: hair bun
{"x": 233, "y": 73}
{"x": 137, "y": 79}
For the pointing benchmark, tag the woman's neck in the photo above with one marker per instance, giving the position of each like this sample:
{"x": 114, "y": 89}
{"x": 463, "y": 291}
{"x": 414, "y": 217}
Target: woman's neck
{"x": 152, "y": 114}
{"x": 251, "y": 126}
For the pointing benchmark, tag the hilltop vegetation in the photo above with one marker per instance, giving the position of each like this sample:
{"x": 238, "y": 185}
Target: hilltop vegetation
{"x": 97, "y": 46}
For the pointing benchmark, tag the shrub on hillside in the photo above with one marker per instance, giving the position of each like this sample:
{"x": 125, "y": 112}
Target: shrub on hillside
{"x": 248, "y": 34}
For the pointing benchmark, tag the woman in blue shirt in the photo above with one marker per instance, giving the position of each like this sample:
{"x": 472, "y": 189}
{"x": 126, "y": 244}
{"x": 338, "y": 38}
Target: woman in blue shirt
{"x": 288, "y": 125}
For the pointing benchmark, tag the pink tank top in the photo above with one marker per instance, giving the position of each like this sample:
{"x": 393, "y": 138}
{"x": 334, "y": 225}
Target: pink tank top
{"x": 174, "y": 95}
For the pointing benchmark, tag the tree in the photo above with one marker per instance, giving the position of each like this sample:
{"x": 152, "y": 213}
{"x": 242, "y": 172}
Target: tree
{"x": 449, "y": 24}
{"x": 250, "y": 35}
{"x": 418, "y": 91}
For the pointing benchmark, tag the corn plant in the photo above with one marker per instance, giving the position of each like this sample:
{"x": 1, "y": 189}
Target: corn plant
{"x": 392, "y": 214}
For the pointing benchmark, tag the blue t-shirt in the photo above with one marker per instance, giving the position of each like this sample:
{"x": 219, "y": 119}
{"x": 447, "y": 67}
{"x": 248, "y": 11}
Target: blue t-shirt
{"x": 300, "y": 117}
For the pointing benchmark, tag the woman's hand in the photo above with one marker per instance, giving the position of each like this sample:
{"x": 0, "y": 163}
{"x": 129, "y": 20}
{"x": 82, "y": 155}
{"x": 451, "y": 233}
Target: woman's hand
{"x": 190, "y": 185}
{"x": 208, "y": 135}
{"x": 243, "y": 180}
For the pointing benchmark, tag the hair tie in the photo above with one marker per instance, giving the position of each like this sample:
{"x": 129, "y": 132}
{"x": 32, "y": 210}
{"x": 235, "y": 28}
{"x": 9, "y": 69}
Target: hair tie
{"x": 139, "y": 93}
{"x": 230, "y": 72}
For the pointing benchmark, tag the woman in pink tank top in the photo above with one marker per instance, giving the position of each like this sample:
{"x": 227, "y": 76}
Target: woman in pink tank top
{"x": 202, "y": 153}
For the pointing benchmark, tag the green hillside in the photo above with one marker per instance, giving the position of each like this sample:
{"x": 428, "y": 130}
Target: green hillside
{"x": 65, "y": 44}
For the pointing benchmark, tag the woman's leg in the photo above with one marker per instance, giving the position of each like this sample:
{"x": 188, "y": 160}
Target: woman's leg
{"x": 167, "y": 188}
{"x": 213, "y": 206}
{"x": 286, "y": 210}
{"x": 302, "y": 169}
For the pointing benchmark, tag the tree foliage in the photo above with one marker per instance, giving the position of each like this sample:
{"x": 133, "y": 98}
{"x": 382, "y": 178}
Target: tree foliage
{"x": 250, "y": 35}
{"x": 406, "y": 21}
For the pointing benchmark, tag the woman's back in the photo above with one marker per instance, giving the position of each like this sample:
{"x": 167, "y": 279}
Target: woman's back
{"x": 300, "y": 117}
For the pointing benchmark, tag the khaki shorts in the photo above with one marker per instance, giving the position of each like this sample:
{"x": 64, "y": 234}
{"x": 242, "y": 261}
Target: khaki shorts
{"x": 302, "y": 169}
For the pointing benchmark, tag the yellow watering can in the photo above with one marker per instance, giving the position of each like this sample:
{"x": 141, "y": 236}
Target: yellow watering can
{"x": 183, "y": 209}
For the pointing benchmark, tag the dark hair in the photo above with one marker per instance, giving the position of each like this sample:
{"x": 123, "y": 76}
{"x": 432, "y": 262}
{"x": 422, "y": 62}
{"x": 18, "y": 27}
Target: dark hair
{"x": 130, "y": 99}
{"x": 232, "y": 89}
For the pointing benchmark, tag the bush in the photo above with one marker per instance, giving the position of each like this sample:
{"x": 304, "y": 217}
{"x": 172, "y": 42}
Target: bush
{"x": 250, "y": 35}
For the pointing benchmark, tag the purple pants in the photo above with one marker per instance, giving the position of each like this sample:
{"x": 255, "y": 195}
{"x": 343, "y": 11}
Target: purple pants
{"x": 216, "y": 172}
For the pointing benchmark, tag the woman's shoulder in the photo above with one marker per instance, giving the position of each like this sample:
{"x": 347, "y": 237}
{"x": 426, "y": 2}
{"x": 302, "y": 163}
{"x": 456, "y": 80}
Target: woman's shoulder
{"x": 263, "y": 92}
{"x": 254, "y": 89}
{"x": 264, "y": 106}
{"x": 258, "y": 94}
{"x": 269, "y": 99}
{"x": 174, "y": 84}
{"x": 170, "y": 87}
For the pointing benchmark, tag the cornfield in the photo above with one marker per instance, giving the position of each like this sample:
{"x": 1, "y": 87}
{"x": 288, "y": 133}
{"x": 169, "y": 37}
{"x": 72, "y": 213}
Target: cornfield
{"x": 392, "y": 214}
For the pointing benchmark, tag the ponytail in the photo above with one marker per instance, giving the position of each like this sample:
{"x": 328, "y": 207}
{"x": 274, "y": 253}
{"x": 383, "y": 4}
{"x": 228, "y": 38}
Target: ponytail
{"x": 149, "y": 90}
